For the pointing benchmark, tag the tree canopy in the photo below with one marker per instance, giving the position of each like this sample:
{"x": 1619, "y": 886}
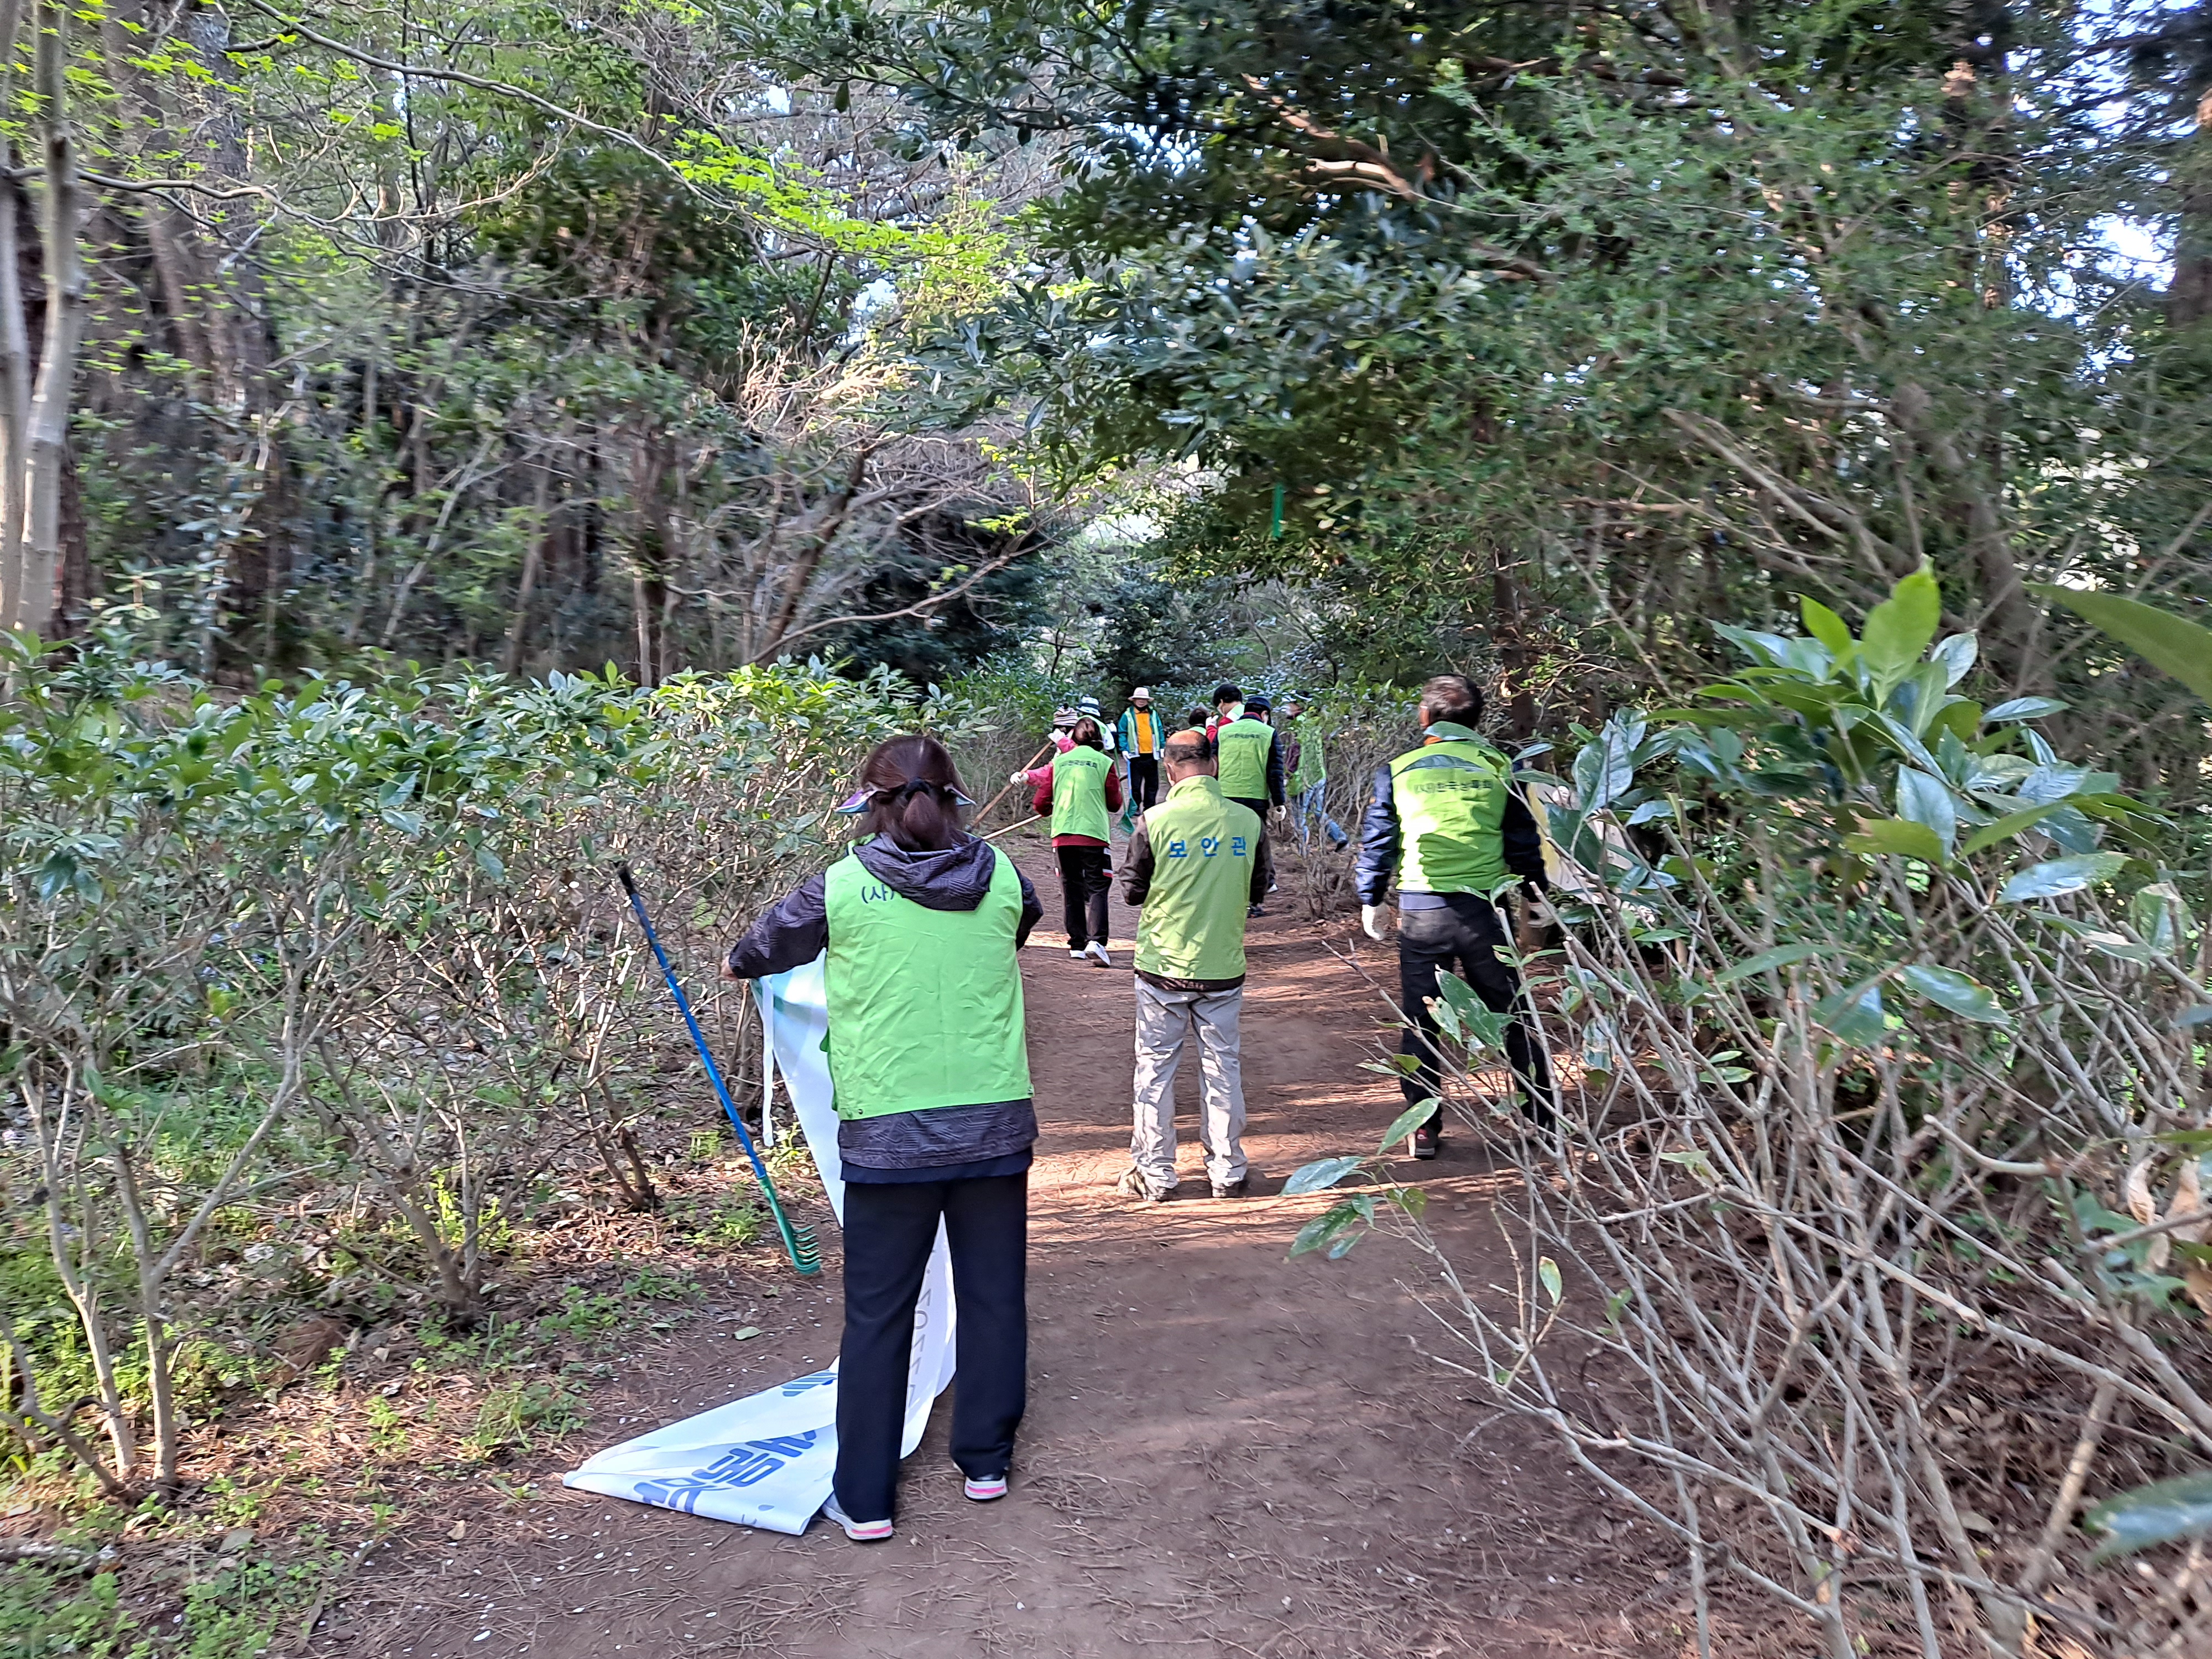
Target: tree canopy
{"x": 1529, "y": 338}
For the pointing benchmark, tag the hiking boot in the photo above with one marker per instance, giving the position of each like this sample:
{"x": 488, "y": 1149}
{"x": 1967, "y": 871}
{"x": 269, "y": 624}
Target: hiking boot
{"x": 1240, "y": 1188}
{"x": 1096, "y": 952}
{"x": 1255, "y": 910}
{"x": 984, "y": 1492}
{"x": 1428, "y": 1140}
{"x": 860, "y": 1532}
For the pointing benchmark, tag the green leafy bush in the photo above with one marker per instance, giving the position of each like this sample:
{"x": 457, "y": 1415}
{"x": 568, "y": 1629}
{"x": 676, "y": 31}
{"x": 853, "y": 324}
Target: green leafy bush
{"x": 1883, "y": 1148}
{"x": 353, "y": 950}
{"x": 45, "y": 1615}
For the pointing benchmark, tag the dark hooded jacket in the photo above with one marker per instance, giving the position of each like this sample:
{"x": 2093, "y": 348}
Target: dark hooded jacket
{"x": 943, "y": 1143}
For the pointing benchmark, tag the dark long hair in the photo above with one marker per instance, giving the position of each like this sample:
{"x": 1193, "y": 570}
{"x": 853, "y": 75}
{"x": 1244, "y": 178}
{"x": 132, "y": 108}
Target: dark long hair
{"x": 1085, "y": 735}
{"x": 912, "y": 788}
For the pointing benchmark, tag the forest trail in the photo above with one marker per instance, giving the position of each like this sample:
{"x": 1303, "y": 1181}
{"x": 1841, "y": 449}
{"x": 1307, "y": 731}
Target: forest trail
{"x": 1225, "y": 1452}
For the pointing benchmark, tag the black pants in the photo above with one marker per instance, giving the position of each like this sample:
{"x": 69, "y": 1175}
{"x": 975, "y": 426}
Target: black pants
{"x": 1259, "y": 807}
{"x": 1144, "y": 782}
{"x": 1462, "y": 939}
{"x": 1086, "y": 877}
{"x": 889, "y": 1231}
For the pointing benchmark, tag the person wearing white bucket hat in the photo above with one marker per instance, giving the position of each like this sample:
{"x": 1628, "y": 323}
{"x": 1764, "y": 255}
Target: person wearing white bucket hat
{"x": 1142, "y": 734}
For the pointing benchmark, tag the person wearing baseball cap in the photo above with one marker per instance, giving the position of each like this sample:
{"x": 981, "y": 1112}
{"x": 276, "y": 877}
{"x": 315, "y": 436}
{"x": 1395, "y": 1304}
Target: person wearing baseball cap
{"x": 1140, "y": 734}
{"x": 1249, "y": 760}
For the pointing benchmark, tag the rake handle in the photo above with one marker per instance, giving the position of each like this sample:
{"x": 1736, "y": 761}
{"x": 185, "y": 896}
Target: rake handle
{"x": 691, "y": 1024}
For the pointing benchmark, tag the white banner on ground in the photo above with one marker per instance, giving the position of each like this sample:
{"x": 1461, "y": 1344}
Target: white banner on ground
{"x": 766, "y": 1460}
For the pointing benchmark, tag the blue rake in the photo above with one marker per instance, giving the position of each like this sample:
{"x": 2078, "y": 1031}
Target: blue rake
{"x": 798, "y": 1238}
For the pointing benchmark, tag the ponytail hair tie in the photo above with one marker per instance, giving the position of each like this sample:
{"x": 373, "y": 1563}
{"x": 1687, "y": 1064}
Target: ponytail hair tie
{"x": 862, "y": 800}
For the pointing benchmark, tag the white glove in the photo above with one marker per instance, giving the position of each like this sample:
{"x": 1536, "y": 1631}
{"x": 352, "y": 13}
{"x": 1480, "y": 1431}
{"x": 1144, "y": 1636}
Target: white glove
{"x": 1376, "y": 919}
{"x": 1017, "y": 777}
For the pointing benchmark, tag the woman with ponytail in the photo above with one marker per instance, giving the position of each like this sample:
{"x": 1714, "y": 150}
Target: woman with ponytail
{"x": 921, "y": 921}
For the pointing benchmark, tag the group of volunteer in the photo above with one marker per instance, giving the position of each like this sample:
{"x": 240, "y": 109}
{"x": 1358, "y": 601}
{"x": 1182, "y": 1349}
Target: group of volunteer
{"x": 926, "y": 1045}
{"x": 1081, "y": 788}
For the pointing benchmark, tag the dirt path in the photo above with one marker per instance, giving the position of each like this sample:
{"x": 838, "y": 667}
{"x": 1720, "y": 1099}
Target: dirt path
{"x": 1225, "y": 1451}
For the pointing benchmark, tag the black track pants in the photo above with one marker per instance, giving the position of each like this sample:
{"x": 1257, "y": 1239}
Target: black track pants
{"x": 1462, "y": 940}
{"x": 890, "y": 1228}
{"x": 1085, "y": 877}
{"x": 1144, "y": 782}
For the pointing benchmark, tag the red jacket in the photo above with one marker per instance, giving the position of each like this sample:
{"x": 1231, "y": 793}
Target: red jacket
{"x": 1041, "y": 803}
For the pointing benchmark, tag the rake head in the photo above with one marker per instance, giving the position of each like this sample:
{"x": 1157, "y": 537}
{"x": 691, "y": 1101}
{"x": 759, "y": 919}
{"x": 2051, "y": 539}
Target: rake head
{"x": 805, "y": 1254}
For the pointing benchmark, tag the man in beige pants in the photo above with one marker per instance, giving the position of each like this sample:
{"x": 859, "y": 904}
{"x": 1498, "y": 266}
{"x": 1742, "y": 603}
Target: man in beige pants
{"x": 1196, "y": 864}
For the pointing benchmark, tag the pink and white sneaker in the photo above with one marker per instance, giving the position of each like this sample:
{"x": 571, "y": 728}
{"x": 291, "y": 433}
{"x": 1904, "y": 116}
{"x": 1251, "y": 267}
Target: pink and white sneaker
{"x": 985, "y": 1492}
{"x": 860, "y": 1532}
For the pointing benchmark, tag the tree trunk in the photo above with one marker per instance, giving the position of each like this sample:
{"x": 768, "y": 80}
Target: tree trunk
{"x": 649, "y": 558}
{"x": 65, "y": 310}
{"x": 14, "y": 394}
{"x": 533, "y": 561}
{"x": 2189, "y": 300}
{"x": 76, "y": 1248}
{"x": 77, "y": 583}
{"x": 183, "y": 274}
{"x": 15, "y": 346}
{"x": 798, "y": 586}
{"x": 2007, "y": 617}
{"x": 160, "y": 1390}
{"x": 1507, "y": 625}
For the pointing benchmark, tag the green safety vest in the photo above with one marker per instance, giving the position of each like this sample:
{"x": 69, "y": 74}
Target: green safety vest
{"x": 1242, "y": 749}
{"x": 925, "y": 1006}
{"x": 1451, "y": 798}
{"x": 1078, "y": 794}
{"x": 1313, "y": 768}
{"x": 1202, "y": 851}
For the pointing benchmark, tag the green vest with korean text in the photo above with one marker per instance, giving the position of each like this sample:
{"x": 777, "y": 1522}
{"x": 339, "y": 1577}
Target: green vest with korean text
{"x": 1203, "y": 846}
{"x": 925, "y": 1006}
{"x": 1451, "y": 798}
{"x": 1078, "y": 794}
{"x": 1240, "y": 748}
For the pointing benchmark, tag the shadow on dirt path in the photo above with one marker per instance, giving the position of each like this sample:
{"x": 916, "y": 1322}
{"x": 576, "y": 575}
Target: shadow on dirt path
{"x": 1227, "y": 1452}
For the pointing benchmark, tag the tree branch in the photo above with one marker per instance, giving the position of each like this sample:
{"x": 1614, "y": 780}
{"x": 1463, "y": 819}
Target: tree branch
{"x": 480, "y": 83}
{"x": 1366, "y": 165}
{"x": 919, "y": 608}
